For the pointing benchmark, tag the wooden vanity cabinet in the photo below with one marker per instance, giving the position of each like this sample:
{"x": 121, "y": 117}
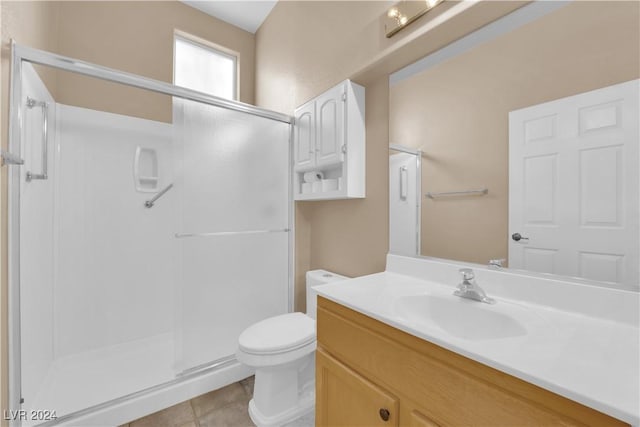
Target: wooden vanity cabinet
{"x": 350, "y": 399}
{"x": 370, "y": 374}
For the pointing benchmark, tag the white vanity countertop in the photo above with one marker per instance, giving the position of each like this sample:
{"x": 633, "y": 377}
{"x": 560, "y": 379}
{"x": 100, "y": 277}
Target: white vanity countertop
{"x": 589, "y": 359}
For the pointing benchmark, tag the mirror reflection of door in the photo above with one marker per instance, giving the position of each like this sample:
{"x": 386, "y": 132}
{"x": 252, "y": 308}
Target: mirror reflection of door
{"x": 404, "y": 203}
{"x": 573, "y": 185}
{"x": 454, "y": 105}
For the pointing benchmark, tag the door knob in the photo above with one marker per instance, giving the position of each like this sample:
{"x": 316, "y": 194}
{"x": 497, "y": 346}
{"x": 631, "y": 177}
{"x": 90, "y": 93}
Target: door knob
{"x": 384, "y": 414}
{"x": 517, "y": 237}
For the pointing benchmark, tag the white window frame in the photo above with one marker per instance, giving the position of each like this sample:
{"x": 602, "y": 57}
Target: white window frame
{"x": 213, "y": 47}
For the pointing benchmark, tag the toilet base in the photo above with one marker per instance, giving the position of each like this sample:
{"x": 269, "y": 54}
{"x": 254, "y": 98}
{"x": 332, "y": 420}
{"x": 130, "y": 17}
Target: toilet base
{"x": 305, "y": 405}
{"x": 285, "y": 392}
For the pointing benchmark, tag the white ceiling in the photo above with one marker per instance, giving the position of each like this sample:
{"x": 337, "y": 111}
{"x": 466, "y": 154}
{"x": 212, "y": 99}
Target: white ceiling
{"x": 247, "y": 15}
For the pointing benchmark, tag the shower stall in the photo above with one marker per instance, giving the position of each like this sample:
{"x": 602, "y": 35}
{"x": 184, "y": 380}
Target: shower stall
{"x": 139, "y": 248}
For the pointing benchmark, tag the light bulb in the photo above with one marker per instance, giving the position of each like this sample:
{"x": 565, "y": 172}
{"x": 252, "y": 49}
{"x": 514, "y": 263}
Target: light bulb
{"x": 393, "y": 12}
{"x": 403, "y": 20}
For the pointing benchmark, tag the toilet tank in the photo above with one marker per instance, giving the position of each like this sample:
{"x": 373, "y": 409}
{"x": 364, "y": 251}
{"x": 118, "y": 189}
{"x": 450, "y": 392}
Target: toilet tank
{"x": 316, "y": 278}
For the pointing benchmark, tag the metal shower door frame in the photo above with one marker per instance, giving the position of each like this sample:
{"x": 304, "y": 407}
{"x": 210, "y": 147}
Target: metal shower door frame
{"x": 418, "y": 155}
{"x": 21, "y": 53}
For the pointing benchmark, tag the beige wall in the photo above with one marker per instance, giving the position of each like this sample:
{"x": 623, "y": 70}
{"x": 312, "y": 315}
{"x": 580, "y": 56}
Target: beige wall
{"x": 302, "y": 49}
{"x": 132, "y": 36}
{"x": 137, "y": 37}
{"x": 305, "y": 47}
{"x": 457, "y": 113}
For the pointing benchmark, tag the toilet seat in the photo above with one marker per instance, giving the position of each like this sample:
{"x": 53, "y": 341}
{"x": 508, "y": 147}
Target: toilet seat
{"x": 278, "y": 334}
{"x": 277, "y": 340}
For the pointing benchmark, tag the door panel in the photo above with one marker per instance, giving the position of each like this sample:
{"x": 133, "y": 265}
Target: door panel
{"x": 540, "y": 181}
{"x": 573, "y": 181}
{"x": 601, "y": 187}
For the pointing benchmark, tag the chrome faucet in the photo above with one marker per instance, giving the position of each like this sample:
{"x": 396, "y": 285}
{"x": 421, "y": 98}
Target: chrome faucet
{"x": 470, "y": 289}
{"x": 497, "y": 263}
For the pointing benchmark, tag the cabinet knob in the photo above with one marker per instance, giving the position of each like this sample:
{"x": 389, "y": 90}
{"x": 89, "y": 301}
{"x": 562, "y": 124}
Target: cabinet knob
{"x": 384, "y": 414}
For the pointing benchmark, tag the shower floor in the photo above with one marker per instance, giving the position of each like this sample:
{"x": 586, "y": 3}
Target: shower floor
{"x": 79, "y": 381}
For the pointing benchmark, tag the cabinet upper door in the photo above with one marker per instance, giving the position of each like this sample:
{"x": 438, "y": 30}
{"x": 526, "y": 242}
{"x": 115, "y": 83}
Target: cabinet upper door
{"x": 304, "y": 145}
{"x": 330, "y": 126}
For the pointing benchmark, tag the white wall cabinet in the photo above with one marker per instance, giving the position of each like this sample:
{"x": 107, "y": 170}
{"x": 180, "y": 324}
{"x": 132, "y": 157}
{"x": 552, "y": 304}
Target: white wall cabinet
{"x": 330, "y": 126}
{"x": 329, "y": 144}
{"x": 303, "y": 136}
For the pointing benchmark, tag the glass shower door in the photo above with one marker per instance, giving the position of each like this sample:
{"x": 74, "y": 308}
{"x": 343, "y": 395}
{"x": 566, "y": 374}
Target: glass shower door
{"x": 118, "y": 285}
{"x": 232, "y": 228}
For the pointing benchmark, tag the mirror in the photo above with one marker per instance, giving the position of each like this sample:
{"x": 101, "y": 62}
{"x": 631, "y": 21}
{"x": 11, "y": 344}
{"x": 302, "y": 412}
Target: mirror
{"x": 528, "y": 140}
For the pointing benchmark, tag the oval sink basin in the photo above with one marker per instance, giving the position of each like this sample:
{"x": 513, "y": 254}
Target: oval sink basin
{"x": 463, "y": 318}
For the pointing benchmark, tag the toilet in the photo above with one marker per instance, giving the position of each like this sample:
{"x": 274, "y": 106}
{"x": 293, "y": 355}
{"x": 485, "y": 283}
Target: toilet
{"x": 282, "y": 351}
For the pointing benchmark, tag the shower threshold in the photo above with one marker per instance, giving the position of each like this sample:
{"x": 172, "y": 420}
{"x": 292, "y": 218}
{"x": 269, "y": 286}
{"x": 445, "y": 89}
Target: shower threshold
{"x": 76, "y": 384}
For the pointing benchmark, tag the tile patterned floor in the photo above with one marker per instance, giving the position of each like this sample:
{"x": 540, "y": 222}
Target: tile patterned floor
{"x": 226, "y": 407}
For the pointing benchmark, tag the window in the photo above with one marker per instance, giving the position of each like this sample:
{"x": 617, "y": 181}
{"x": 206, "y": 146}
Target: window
{"x": 205, "y": 69}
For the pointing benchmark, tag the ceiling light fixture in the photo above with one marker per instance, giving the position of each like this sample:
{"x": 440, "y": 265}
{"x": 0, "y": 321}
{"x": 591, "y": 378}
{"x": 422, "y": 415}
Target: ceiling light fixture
{"x": 405, "y": 12}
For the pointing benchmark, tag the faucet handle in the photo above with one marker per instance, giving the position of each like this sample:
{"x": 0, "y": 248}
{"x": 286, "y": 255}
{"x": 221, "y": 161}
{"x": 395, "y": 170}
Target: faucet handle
{"x": 467, "y": 274}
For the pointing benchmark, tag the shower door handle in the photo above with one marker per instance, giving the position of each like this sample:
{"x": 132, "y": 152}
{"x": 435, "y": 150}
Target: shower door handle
{"x": 404, "y": 182}
{"x": 31, "y": 103}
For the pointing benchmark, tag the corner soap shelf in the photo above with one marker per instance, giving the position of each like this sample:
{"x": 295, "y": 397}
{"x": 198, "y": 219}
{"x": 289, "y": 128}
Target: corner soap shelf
{"x": 145, "y": 170}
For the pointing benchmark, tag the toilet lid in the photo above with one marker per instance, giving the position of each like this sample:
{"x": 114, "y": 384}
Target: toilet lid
{"x": 278, "y": 334}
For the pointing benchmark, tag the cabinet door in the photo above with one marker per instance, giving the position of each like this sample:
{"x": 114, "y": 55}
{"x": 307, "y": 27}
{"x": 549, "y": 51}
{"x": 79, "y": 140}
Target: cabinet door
{"x": 418, "y": 419}
{"x": 344, "y": 398}
{"x": 330, "y": 126}
{"x": 304, "y": 137}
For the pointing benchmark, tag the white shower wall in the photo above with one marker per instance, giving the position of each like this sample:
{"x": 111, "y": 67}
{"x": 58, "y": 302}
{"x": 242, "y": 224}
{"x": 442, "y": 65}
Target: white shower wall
{"x": 116, "y": 260}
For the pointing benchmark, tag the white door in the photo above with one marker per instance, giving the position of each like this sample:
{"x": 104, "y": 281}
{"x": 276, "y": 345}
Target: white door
{"x": 304, "y": 137}
{"x": 404, "y": 205}
{"x": 573, "y": 186}
{"x": 330, "y": 126}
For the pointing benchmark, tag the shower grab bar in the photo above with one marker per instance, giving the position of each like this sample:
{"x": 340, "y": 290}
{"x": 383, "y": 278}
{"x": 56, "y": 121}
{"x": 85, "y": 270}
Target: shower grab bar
{"x": 32, "y": 103}
{"x": 231, "y": 233}
{"x": 480, "y": 192}
{"x": 149, "y": 203}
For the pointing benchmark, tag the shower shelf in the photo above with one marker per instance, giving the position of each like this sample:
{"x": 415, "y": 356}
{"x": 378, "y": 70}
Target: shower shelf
{"x": 148, "y": 178}
{"x": 145, "y": 170}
